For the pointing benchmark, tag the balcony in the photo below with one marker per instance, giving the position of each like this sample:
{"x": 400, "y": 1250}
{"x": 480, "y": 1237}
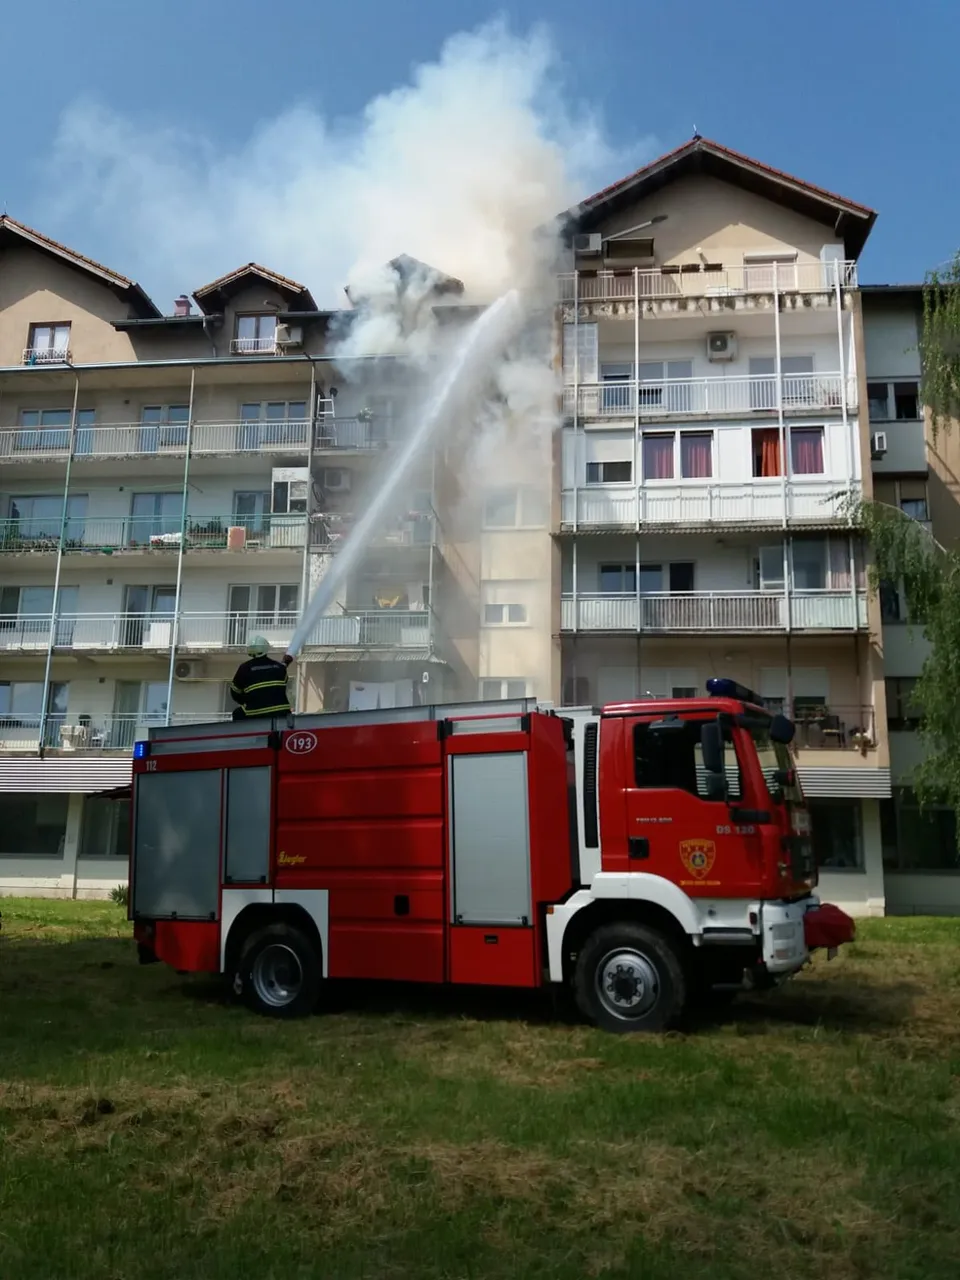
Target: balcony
{"x": 719, "y": 611}
{"x": 690, "y": 281}
{"x": 254, "y": 346}
{"x": 413, "y": 529}
{"x": 47, "y": 355}
{"x": 115, "y": 534}
{"x": 211, "y": 633}
{"x": 137, "y": 440}
{"x": 70, "y": 733}
{"x": 755, "y": 502}
{"x": 710, "y": 397}
{"x": 835, "y": 728}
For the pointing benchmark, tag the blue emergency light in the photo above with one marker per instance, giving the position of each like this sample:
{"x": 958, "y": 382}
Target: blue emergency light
{"x": 141, "y": 750}
{"x": 720, "y": 687}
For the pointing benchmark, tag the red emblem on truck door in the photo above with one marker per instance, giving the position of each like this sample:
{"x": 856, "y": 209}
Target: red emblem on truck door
{"x": 698, "y": 856}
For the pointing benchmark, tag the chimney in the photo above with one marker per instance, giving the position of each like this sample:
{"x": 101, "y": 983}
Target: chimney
{"x": 181, "y": 305}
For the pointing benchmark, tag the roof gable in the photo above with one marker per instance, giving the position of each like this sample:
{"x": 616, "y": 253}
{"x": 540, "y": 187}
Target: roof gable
{"x": 851, "y": 221}
{"x": 140, "y": 304}
{"x": 212, "y": 297}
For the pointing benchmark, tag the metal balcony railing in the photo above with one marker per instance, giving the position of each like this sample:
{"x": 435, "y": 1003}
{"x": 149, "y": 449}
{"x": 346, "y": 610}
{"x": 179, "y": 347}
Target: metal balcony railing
{"x": 694, "y": 282}
{"x": 758, "y": 501}
{"x": 73, "y": 733}
{"x": 413, "y": 529}
{"x": 374, "y": 629}
{"x": 708, "y": 397}
{"x": 831, "y": 727}
{"x": 47, "y": 355}
{"x": 253, "y": 346}
{"x": 723, "y": 611}
{"x": 152, "y": 533}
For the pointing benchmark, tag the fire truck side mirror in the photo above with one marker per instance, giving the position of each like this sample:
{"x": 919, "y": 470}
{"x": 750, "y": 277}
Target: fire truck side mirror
{"x": 711, "y": 747}
{"x": 782, "y": 730}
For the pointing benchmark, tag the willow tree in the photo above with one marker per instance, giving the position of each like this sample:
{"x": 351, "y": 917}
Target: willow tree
{"x": 904, "y": 552}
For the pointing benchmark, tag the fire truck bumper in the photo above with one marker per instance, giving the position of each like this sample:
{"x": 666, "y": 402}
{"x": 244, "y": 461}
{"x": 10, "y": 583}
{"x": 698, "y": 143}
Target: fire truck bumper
{"x": 791, "y": 930}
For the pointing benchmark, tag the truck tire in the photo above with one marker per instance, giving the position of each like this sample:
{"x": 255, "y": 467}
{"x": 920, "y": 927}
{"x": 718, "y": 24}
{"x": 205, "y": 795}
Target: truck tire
{"x": 629, "y": 977}
{"x": 279, "y": 973}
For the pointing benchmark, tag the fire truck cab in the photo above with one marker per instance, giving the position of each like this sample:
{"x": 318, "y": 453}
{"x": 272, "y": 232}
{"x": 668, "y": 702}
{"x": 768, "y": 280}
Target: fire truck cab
{"x": 643, "y": 855}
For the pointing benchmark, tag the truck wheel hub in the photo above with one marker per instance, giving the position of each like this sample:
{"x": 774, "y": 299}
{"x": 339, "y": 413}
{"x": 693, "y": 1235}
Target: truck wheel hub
{"x": 277, "y": 975}
{"x": 627, "y": 984}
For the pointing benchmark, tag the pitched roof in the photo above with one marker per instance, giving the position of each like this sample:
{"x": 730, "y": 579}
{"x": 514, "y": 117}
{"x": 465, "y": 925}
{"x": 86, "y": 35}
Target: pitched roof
{"x": 128, "y": 290}
{"x": 211, "y": 297}
{"x": 852, "y": 221}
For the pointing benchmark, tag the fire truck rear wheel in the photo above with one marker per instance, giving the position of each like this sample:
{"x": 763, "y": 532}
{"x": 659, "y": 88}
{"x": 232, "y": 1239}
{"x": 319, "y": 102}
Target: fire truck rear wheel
{"x": 630, "y": 977}
{"x": 280, "y": 972}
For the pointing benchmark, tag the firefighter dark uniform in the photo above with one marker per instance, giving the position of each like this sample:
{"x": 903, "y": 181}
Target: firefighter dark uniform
{"x": 260, "y": 687}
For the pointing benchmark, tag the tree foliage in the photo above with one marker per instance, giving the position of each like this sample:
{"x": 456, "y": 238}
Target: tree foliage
{"x": 940, "y": 345}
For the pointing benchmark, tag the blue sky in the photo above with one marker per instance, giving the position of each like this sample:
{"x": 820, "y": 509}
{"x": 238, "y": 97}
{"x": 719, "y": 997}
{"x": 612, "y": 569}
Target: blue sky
{"x": 857, "y": 97}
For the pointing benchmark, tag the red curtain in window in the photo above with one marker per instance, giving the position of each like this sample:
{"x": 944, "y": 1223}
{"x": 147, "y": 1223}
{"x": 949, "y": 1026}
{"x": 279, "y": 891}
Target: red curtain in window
{"x": 658, "y": 457}
{"x": 766, "y": 450}
{"x": 806, "y": 451}
{"x": 696, "y": 456}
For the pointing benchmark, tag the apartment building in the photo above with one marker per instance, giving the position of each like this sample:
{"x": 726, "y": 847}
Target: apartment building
{"x": 715, "y": 393}
{"x": 171, "y": 484}
{"x": 919, "y": 477}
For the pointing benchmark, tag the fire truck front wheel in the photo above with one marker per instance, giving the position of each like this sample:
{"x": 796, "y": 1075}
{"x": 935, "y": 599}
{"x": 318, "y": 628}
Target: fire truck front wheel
{"x": 629, "y": 977}
{"x": 279, "y": 972}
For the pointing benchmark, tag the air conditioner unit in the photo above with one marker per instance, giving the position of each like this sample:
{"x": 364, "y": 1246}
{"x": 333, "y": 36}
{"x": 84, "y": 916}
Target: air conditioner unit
{"x": 191, "y": 670}
{"x": 336, "y": 480}
{"x": 591, "y": 243}
{"x": 721, "y": 346}
{"x": 289, "y": 335}
{"x": 878, "y": 444}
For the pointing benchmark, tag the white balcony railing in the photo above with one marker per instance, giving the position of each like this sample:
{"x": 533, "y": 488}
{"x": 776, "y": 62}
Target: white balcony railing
{"x": 709, "y": 397}
{"x": 78, "y": 733}
{"x": 253, "y": 346}
{"x": 148, "y": 533}
{"x": 724, "y": 611}
{"x": 745, "y": 279}
{"x": 47, "y": 355}
{"x": 760, "y": 501}
{"x": 211, "y": 632}
{"x": 147, "y": 440}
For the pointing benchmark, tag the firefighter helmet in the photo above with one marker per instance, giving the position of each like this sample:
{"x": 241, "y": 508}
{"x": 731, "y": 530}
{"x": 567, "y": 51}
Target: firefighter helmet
{"x": 257, "y": 646}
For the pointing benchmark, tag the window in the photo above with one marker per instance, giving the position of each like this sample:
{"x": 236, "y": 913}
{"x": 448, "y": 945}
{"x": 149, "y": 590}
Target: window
{"x": 674, "y": 760}
{"x": 916, "y": 839}
{"x": 163, "y": 427}
{"x": 765, "y": 445}
{"x": 806, "y": 451}
{"x": 155, "y": 515}
{"x": 273, "y": 423}
{"x": 576, "y": 691}
{"x": 912, "y": 495}
{"x": 915, "y": 508}
{"x": 265, "y": 606}
{"x": 894, "y": 401}
{"x": 105, "y": 830}
{"x": 251, "y": 509}
{"x": 33, "y": 824}
{"x": 35, "y": 519}
{"x": 809, "y": 564}
{"x": 256, "y": 333}
{"x": 617, "y": 579}
{"x": 48, "y": 342}
{"x": 498, "y": 615}
{"x": 609, "y": 472}
{"x": 836, "y": 834}
{"x": 658, "y": 457}
{"x": 676, "y": 577}
{"x": 21, "y": 704}
{"x": 799, "y": 388}
{"x": 769, "y": 569}
{"x": 42, "y": 430}
{"x": 136, "y": 703}
{"x": 665, "y": 386}
{"x": 492, "y": 690}
{"x": 515, "y": 508}
{"x": 891, "y": 609}
{"x": 763, "y": 271}
{"x": 902, "y": 714}
{"x": 27, "y": 611}
{"x": 580, "y": 353}
{"x": 696, "y": 455}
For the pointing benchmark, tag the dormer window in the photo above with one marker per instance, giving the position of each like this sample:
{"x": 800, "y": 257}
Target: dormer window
{"x": 47, "y": 344}
{"x": 256, "y": 334}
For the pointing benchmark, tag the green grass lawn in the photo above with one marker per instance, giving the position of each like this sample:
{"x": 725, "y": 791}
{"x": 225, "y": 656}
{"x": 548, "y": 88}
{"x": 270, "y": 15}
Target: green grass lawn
{"x": 150, "y": 1129}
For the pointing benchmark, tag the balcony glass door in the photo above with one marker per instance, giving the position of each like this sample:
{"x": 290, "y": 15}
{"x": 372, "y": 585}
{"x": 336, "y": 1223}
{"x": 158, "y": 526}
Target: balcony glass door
{"x": 155, "y": 515}
{"x": 148, "y": 617}
{"x": 270, "y": 611}
{"x": 251, "y": 510}
{"x": 136, "y": 702}
{"x": 163, "y": 427}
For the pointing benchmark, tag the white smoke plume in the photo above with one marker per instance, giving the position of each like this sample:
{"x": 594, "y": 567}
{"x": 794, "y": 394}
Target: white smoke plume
{"x": 457, "y": 168}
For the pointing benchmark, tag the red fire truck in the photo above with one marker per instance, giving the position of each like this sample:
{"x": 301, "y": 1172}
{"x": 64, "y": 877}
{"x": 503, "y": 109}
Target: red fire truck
{"x": 642, "y": 855}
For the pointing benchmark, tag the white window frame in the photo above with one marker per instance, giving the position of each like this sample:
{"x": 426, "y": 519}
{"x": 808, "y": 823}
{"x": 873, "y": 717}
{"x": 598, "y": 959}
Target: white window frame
{"x": 891, "y": 401}
{"x": 504, "y": 694}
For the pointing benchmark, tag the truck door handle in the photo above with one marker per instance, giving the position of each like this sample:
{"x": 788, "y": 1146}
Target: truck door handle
{"x": 639, "y": 847}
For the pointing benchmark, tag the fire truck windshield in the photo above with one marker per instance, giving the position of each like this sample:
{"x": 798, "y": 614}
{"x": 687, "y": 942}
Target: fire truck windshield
{"x": 776, "y": 763}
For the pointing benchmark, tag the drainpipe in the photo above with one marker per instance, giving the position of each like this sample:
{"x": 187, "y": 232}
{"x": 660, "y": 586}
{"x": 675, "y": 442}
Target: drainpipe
{"x": 55, "y": 609}
{"x": 180, "y": 551}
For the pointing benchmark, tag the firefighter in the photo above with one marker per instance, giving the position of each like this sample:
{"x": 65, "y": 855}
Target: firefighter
{"x": 260, "y": 684}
